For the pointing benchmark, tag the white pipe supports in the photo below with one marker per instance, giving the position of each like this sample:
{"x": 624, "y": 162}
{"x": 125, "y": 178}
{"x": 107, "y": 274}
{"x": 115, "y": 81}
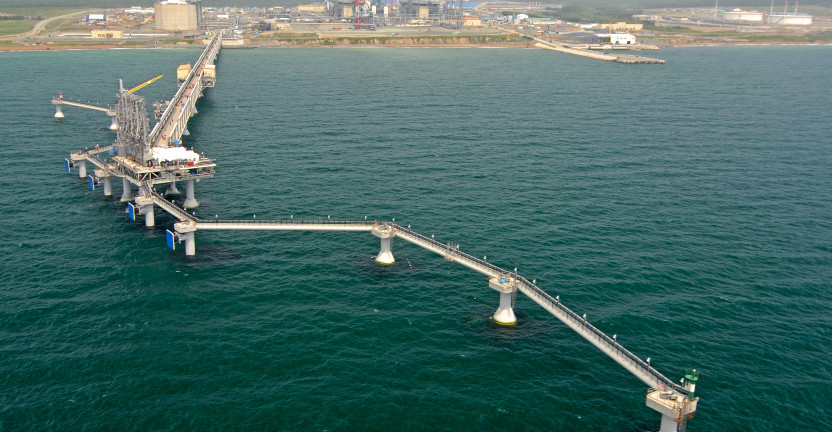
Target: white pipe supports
{"x": 386, "y": 234}
{"x": 507, "y": 287}
{"x": 114, "y": 120}
{"x": 127, "y": 191}
{"x": 108, "y": 187}
{"x": 190, "y": 200}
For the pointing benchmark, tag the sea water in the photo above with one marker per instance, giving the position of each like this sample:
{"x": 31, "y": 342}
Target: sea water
{"x": 683, "y": 207}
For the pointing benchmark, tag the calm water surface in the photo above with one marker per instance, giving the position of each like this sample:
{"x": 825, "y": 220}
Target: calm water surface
{"x": 685, "y": 208}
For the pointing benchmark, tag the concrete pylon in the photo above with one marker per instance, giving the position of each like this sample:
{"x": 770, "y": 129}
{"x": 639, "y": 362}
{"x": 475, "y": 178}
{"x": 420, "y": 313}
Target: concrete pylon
{"x": 113, "y": 120}
{"x": 146, "y": 205}
{"x": 190, "y": 200}
{"x": 58, "y": 113}
{"x": 108, "y": 187}
{"x": 82, "y": 168}
{"x": 507, "y": 287}
{"x": 172, "y": 190}
{"x": 185, "y": 231}
{"x": 127, "y": 190}
{"x": 386, "y": 234}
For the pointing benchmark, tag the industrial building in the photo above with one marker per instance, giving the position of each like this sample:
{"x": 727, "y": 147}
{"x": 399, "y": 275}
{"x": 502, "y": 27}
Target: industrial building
{"x": 622, "y": 26}
{"x": 420, "y": 9}
{"x": 741, "y": 16}
{"x": 106, "y": 34}
{"x": 790, "y": 18}
{"x": 617, "y": 39}
{"x": 178, "y": 15}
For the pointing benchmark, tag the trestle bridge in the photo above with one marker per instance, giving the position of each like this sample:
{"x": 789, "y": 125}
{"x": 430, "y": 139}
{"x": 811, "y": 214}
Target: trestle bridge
{"x": 148, "y": 158}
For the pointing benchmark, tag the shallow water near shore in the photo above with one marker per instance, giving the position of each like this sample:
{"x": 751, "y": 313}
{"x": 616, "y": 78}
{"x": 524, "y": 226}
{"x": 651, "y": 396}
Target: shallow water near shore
{"x": 684, "y": 207}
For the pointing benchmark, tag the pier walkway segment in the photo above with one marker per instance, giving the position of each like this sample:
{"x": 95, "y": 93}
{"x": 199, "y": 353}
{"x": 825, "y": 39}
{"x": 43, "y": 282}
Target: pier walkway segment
{"x": 60, "y": 101}
{"x": 675, "y": 402}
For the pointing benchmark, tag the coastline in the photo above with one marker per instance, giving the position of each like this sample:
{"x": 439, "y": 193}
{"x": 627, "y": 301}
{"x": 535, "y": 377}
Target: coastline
{"x": 389, "y": 43}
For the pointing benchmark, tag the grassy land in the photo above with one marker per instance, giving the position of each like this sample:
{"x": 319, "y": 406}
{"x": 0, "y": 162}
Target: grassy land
{"x": 13, "y": 27}
{"x": 44, "y": 12}
{"x": 33, "y": 15}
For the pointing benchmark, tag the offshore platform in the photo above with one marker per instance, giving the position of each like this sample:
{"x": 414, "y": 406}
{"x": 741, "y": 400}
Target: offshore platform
{"x": 145, "y": 158}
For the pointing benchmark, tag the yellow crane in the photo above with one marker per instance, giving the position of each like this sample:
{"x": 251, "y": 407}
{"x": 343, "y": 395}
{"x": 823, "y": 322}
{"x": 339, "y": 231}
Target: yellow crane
{"x": 144, "y": 84}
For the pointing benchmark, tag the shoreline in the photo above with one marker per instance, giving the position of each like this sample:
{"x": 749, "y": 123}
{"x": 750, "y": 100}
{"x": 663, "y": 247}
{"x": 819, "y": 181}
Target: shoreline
{"x": 78, "y": 47}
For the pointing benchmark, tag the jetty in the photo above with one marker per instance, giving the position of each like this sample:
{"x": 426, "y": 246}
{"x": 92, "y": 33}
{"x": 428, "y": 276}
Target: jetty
{"x": 148, "y": 158}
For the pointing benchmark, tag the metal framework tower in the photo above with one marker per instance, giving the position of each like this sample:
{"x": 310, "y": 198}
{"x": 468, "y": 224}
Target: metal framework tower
{"x": 134, "y": 126}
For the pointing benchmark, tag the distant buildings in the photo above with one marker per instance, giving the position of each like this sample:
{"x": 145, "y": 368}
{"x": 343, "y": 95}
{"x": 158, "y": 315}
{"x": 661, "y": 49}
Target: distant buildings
{"x": 790, "y": 18}
{"x": 178, "y": 15}
{"x": 617, "y": 39}
{"x": 621, "y": 26}
{"x": 741, "y": 16}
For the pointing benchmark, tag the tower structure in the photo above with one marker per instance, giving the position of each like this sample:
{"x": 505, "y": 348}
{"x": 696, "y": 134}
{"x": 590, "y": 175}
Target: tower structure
{"x": 134, "y": 127}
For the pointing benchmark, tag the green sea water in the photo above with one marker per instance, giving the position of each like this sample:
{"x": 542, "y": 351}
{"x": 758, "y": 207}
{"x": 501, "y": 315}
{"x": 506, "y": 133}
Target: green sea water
{"x": 684, "y": 207}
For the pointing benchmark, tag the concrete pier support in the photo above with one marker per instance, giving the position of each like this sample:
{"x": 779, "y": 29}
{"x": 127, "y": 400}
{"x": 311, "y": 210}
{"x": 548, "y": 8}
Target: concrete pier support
{"x": 190, "y": 200}
{"x": 668, "y": 424}
{"x": 108, "y": 187}
{"x": 172, "y": 190}
{"x": 146, "y": 205}
{"x": 190, "y": 243}
{"x": 386, "y": 234}
{"x": 58, "y": 113}
{"x": 149, "y": 216}
{"x": 186, "y": 132}
{"x": 82, "y": 168}
{"x": 185, "y": 231}
{"x": 674, "y": 407}
{"x": 127, "y": 190}
{"x": 507, "y": 287}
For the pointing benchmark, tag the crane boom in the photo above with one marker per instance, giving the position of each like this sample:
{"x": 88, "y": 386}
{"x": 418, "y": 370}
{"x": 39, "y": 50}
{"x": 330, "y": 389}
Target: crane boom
{"x": 144, "y": 84}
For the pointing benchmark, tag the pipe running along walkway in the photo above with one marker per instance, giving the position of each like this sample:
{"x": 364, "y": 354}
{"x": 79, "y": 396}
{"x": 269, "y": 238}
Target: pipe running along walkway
{"x": 635, "y": 365}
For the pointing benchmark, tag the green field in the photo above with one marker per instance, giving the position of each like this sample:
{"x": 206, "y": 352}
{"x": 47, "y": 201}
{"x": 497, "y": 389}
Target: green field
{"x": 44, "y": 12}
{"x": 33, "y": 15}
{"x": 13, "y": 27}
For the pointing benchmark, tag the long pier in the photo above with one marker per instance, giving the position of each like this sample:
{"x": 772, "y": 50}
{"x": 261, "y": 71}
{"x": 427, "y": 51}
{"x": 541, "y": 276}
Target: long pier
{"x": 136, "y": 158}
{"x": 618, "y": 58}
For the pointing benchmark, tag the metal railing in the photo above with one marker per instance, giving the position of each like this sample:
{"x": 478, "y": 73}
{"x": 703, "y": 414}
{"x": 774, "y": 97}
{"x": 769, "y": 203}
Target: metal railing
{"x": 653, "y": 376}
{"x": 617, "y": 352}
{"x": 170, "y": 207}
{"x": 206, "y": 223}
{"x": 215, "y": 44}
{"x": 487, "y": 268}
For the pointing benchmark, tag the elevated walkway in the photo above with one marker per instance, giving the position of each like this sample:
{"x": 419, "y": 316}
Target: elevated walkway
{"x": 60, "y": 101}
{"x": 174, "y": 120}
{"x": 674, "y": 394}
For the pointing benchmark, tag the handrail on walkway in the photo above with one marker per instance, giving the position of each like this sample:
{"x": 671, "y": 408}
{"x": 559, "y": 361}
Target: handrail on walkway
{"x": 217, "y": 39}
